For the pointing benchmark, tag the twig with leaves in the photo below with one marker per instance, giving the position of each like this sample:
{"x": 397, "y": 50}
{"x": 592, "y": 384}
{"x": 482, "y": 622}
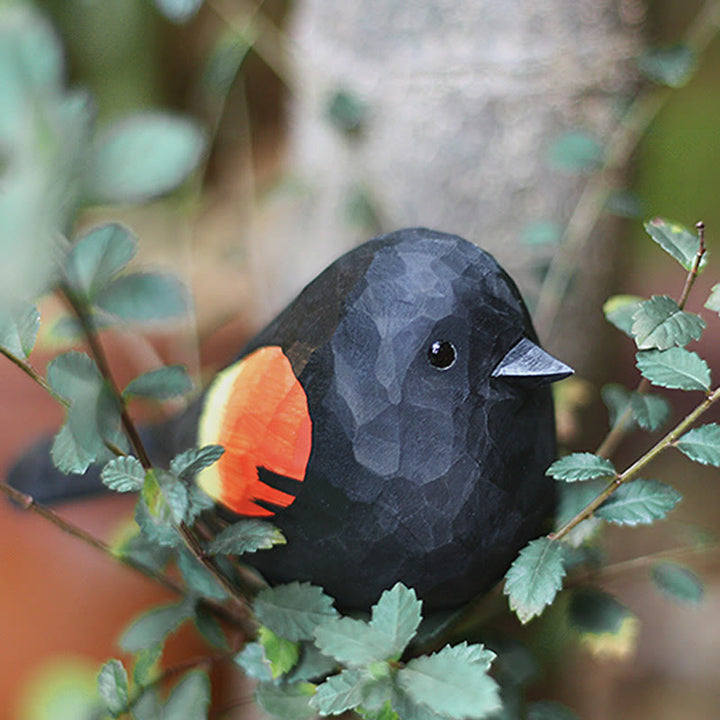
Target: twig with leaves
{"x": 661, "y": 328}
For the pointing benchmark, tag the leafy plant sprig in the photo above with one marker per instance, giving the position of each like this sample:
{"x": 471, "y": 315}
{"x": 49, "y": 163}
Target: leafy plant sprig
{"x": 593, "y": 489}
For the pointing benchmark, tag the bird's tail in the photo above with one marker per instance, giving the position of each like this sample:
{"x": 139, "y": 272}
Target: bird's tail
{"x": 36, "y": 475}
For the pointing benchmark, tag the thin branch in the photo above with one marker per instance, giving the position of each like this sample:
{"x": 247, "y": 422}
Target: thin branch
{"x": 641, "y": 561}
{"x": 268, "y": 42}
{"x": 208, "y": 562}
{"x": 171, "y": 672}
{"x": 98, "y": 353}
{"x": 695, "y": 269}
{"x": 619, "y": 429}
{"x": 668, "y": 441}
{"x": 79, "y": 307}
{"x": 27, "y": 502}
{"x": 31, "y": 372}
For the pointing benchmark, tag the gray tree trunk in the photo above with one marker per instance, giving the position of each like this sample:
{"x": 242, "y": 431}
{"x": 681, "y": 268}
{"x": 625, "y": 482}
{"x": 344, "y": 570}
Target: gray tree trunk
{"x": 463, "y": 99}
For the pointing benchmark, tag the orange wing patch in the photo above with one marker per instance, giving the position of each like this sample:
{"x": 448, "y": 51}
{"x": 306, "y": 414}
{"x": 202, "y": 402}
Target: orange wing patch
{"x": 257, "y": 410}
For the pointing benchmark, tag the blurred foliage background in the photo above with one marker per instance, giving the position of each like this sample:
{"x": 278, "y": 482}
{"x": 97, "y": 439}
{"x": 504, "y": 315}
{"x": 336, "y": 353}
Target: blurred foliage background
{"x": 132, "y": 57}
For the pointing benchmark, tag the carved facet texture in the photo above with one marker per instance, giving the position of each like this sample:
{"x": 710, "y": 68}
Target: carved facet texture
{"x": 434, "y": 476}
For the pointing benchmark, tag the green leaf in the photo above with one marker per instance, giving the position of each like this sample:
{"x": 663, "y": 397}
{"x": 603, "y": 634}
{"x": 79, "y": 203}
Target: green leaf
{"x": 312, "y": 664}
{"x": 246, "y": 536}
{"x": 31, "y": 64}
{"x": 67, "y": 371}
{"x": 198, "y": 578}
{"x": 535, "y": 577}
{"x": 97, "y": 257}
{"x": 67, "y": 330}
{"x": 161, "y": 384}
{"x": 145, "y": 670}
{"x": 174, "y": 492}
{"x": 649, "y": 411}
{"x": 576, "y": 152}
{"x": 198, "y": 502}
{"x": 596, "y": 612}
{"x": 619, "y": 310}
{"x": 675, "y": 368}
{"x": 515, "y": 665}
{"x": 353, "y": 642}
{"x": 209, "y": 627}
{"x": 113, "y": 687}
{"x": 142, "y": 157}
{"x": 672, "y": 66}
{"x": 286, "y": 702}
{"x": 639, "y": 502}
{"x": 713, "y": 302}
{"x": 347, "y": 111}
{"x": 452, "y": 683}
{"x": 190, "y": 462}
{"x": 35, "y": 157}
{"x": 67, "y": 455}
{"x": 702, "y": 444}
{"x": 153, "y": 626}
{"x": 340, "y": 692}
{"x": 549, "y": 710}
{"x": 293, "y": 611}
{"x": 144, "y": 298}
{"x": 190, "y": 698}
{"x": 394, "y": 622}
{"x": 148, "y": 706}
{"x": 377, "y": 692}
{"x": 659, "y": 323}
{"x": 179, "y": 11}
{"x": 93, "y": 414}
{"x": 152, "y": 555}
{"x": 616, "y": 399}
{"x": 157, "y": 525}
{"x": 541, "y": 233}
{"x": 678, "y": 582}
{"x": 408, "y": 708}
{"x": 384, "y": 713}
{"x": 108, "y": 421}
{"x": 225, "y": 60}
{"x": 397, "y": 616}
{"x": 606, "y": 628}
{"x": 675, "y": 240}
{"x": 253, "y": 662}
{"x": 360, "y": 209}
{"x": 124, "y": 474}
{"x": 581, "y": 466}
{"x": 476, "y": 653}
{"x": 19, "y": 327}
{"x": 282, "y": 655}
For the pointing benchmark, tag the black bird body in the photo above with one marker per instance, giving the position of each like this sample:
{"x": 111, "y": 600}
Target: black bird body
{"x": 419, "y": 428}
{"x": 434, "y": 476}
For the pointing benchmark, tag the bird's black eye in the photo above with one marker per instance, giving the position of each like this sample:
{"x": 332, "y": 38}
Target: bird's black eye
{"x": 441, "y": 354}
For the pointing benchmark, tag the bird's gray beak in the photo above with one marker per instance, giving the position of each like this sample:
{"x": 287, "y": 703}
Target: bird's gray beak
{"x": 529, "y": 365}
